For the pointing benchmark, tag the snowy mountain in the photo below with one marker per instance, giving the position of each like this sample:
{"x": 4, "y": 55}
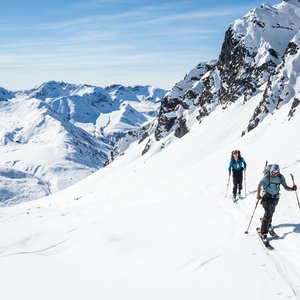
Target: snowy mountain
{"x": 58, "y": 133}
{"x": 45, "y": 148}
{"x": 260, "y": 55}
{"x": 158, "y": 226}
{"x": 83, "y": 105}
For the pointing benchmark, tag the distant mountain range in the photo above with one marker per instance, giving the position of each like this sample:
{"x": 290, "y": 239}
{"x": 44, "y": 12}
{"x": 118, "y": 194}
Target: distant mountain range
{"x": 58, "y": 133}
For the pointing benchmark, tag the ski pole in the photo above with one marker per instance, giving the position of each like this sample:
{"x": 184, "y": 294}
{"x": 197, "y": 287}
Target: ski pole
{"x": 227, "y": 185}
{"x": 252, "y": 216}
{"x": 245, "y": 183}
{"x": 295, "y": 191}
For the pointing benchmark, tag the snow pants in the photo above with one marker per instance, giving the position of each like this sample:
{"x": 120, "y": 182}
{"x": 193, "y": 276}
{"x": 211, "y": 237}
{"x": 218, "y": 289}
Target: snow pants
{"x": 269, "y": 204}
{"x": 237, "y": 177}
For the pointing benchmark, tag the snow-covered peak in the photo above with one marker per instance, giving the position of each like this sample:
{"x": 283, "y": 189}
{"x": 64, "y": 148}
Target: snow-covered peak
{"x": 190, "y": 80}
{"x": 255, "y": 49}
{"x": 136, "y": 93}
{"x": 82, "y": 104}
{"x": 49, "y": 89}
{"x": 268, "y": 29}
{"x": 55, "y": 89}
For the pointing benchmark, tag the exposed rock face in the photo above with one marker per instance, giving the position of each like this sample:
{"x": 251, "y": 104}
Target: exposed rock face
{"x": 282, "y": 86}
{"x": 179, "y": 102}
{"x": 258, "y": 53}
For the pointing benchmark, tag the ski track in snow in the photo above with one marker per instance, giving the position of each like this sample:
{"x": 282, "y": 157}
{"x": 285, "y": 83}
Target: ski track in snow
{"x": 207, "y": 262}
{"x": 42, "y": 251}
{"x": 282, "y": 263}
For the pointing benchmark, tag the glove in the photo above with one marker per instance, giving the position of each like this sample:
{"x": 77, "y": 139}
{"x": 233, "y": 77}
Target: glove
{"x": 258, "y": 197}
{"x": 294, "y": 187}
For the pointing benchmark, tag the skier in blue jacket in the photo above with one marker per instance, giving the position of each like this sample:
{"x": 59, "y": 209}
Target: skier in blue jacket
{"x": 271, "y": 185}
{"x": 237, "y": 165}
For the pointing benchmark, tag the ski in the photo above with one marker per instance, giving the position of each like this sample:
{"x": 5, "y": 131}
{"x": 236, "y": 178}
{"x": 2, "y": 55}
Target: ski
{"x": 236, "y": 200}
{"x": 273, "y": 233}
{"x": 264, "y": 240}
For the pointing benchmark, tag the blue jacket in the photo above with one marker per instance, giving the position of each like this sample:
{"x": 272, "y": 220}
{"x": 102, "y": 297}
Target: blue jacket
{"x": 271, "y": 184}
{"x": 238, "y": 165}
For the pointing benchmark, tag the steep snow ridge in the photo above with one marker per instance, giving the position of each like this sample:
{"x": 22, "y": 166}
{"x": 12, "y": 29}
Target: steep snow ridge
{"x": 267, "y": 28}
{"x": 253, "y": 47}
{"x": 283, "y": 86}
{"x": 253, "y": 51}
{"x": 190, "y": 81}
{"x": 173, "y": 105}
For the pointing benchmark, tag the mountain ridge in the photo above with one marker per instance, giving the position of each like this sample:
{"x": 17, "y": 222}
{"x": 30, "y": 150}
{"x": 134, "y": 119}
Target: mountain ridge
{"x": 54, "y": 132}
{"x": 254, "y": 50}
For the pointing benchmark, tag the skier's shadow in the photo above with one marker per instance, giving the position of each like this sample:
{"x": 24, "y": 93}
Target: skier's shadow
{"x": 294, "y": 228}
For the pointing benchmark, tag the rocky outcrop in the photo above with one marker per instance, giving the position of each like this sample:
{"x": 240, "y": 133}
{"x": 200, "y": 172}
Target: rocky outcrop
{"x": 254, "y": 52}
{"x": 179, "y": 102}
{"x": 282, "y": 86}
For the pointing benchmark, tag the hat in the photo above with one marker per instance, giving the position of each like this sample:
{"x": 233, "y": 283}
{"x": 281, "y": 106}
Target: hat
{"x": 275, "y": 167}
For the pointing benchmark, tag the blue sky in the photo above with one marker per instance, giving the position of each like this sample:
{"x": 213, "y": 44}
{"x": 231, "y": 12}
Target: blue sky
{"x": 103, "y": 42}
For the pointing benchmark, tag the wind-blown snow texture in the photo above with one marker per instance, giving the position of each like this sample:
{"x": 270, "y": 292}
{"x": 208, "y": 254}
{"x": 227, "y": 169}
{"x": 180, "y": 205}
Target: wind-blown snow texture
{"x": 58, "y": 133}
{"x": 158, "y": 226}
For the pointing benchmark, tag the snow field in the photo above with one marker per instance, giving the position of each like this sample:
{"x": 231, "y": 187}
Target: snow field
{"x": 159, "y": 226}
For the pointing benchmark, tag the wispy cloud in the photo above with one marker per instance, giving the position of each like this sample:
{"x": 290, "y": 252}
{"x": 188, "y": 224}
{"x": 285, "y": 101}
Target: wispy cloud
{"x": 138, "y": 16}
{"x": 96, "y": 38}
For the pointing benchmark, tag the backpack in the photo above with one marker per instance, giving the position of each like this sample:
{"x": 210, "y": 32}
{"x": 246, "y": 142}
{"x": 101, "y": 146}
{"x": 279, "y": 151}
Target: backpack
{"x": 267, "y": 168}
{"x": 267, "y": 171}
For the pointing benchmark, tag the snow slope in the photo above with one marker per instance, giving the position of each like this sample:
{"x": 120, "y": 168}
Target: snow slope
{"x": 158, "y": 226}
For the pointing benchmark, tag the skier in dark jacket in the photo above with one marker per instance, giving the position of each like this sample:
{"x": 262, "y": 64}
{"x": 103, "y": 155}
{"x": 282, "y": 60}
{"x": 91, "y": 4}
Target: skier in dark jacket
{"x": 237, "y": 165}
{"x": 271, "y": 185}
